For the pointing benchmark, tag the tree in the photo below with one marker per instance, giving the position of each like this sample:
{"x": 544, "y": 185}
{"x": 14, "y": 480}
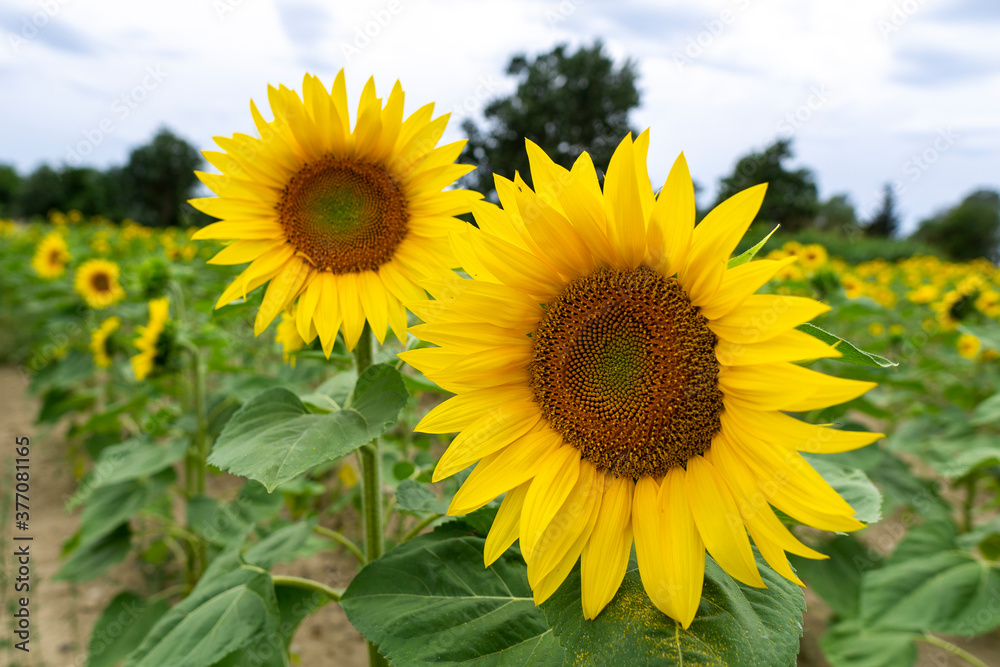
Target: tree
{"x": 837, "y": 215}
{"x": 791, "y": 199}
{"x": 966, "y": 231}
{"x": 885, "y": 222}
{"x": 40, "y": 192}
{"x": 565, "y": 103}
{"x": 10, "y": 183}
{"x": 159, "y": 178}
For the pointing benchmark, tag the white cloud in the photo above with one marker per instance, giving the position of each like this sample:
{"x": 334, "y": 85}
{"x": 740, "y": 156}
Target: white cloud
{"x": 718, "y": 78}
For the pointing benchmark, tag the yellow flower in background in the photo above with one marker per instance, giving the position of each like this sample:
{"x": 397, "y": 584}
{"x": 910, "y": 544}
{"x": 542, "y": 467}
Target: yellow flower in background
{"x": 789, "y": 272}
{"x": 51, "y": 257}
{"x": 617, "y": 381}
{"x": 7, "y": 227}
{"x": 74, "y": 217}
{"x": 57, "y": 218}
{"x": 149, "y": 336}
{"x": 812, "y": 256}
{"x": 896, "y": 330}
{"x": 988, "y": 303}
{"x": 853, "y": 286}
{"x": 97, "y": 282}
{"x": 347, "y": 475}
{"x": 923, "y": 294}
{"x": 287, "y": 335}
{"x": 99, "y": 341}
{"x": 968, "y": 346}
{"x": 347, "y": 222}
{"x": 876, "y": 329}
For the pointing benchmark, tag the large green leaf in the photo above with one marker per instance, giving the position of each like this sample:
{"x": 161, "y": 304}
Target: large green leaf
{"x": 432, "y": 600}
{"x": 987, "y": 412}
{"x": 121, "y": 628}
{"x": 838, "y": 579}
{"x": 950, "y": 592}
{"x": 294, "y": 604}
{"x": 110, "y": 506}
{"x": 88, "y": 561}
{"x": 131, "y": 459}
{"x": 855, "y": 643}
{"x": 274, "y": 438}
{"x": 850, "y": 354}
{"x": 853, "y": 486}
{"x": 281, "y": 545}
{"x": 736, "y": 624}
{"x": 220, "y": 616}
{"x": 416, "y": 497}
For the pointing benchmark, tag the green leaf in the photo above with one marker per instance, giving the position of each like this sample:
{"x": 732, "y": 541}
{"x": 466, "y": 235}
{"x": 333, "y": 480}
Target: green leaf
{"x": 129, "y": 460}
{"x": 446, "y": 608}
{"x": 281, "y": 545}
{"x": 949, "y": 592}
{"x": 417, "y": 381}
{"x": 855, "y": 643}
{"x": 121, "y": 627}
{"x": 850, "y": 353}
{"x": 736, "y": 625}
{"x": 88, "y": 561}
{"x": 416, "y": 497}
{"x": 987, "y": 412}
{"x": 219, "y": 524}
{"x": 751, "y": 252}
{"x": 110, "y": 506}
{"x": 273, "y": 438}
{"x": 220, "y": 616}
{"x": 853, "y": 486}
{"x": 838, "y": 579}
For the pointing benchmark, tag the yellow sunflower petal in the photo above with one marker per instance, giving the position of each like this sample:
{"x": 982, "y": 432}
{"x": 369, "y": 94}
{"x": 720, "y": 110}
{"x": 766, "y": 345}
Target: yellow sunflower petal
{"x": 605, "y": 557}
{"x": 507, "y": 524}
{"x": 549, "y": 490}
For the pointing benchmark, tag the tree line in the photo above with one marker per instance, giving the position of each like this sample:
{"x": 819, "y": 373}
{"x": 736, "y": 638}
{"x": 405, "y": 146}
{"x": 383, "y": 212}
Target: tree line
{"x": 566, "y": 102}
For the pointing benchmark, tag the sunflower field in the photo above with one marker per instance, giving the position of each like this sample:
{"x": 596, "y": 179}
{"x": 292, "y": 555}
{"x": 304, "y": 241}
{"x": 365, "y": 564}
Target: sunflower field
{"x": 591, "y": 428}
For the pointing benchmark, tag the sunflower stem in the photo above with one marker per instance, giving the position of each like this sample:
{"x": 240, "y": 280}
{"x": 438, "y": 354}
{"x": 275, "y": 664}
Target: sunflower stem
{"x": 371, "y": 483}
{"x": 197, "y": 456}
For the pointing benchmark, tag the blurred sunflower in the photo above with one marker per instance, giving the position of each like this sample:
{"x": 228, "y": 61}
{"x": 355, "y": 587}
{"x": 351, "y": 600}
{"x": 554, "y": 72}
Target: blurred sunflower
{"x": 97, "y": 282}
{"x": 287, "y": 335}
{"x": 347, "y": 222}
{"x": 968, "y": 346}
{"x": 150, "y": 342}
{"x": 51, "y": 256}
{"x": 812, "y": 256}
{"x": 99, "y": 341}
{"x": 616, "y": 380}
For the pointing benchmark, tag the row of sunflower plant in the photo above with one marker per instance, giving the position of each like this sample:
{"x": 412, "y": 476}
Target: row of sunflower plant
{"x": 648, "y": 463}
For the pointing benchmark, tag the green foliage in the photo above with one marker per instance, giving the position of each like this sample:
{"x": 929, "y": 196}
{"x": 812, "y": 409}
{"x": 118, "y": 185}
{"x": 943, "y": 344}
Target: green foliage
{"x": 274, "y": 438}
{"x": 736, "y": 624}
{"x": 160, "y": 178}
{"x": 458, "y": 614}
{"x": 967, "y": 231}
{"x": 121, "y": 628}
{"x": 567, "y": 103}
{"x": 791, "y": 199}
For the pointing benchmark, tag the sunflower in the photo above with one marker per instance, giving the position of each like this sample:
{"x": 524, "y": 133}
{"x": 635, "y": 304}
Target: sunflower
{"x": 149, "y": 341}
{"x": 99, "y": 341}
{"x": 287, "y": 335}
{"x": 968, "y": 346}
{"x": 347, "y": 222}
{"x": 618, "y": 382}
{"x": 97, "y": 282}
{"x": 51, "y": 256}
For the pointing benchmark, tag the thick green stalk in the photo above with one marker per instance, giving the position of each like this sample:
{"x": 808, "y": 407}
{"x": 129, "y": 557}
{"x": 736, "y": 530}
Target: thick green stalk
{"x": 371, "y": 483}
{"x": 196, "y": 463}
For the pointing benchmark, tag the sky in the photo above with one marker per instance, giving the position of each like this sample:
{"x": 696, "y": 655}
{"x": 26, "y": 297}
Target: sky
{"x": 871, "y": 91}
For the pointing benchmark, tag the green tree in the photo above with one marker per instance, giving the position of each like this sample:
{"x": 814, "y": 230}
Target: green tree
{"x": 159, "y": 178}
{"x": 885, "y": 222}
{"x": 10, "y": 183}
{"x": 791, "y": 199}
{"x": 837, "y": 215}
{"x": 40, "y": 192}
{"x": 565, "y": 103}
{"x": 966, "y": 231}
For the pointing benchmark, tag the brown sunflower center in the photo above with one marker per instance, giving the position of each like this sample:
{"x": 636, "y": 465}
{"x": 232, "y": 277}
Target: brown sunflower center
{"x": 101, "y": 282}
{"x": 624, "y": 368}
{"x": 345, "y": 216}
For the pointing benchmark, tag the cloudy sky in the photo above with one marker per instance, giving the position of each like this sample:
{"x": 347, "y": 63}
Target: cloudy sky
{"x": 872, "y": 91}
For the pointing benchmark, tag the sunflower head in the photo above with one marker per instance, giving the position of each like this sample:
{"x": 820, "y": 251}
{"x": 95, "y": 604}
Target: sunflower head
{"x": 99, "y": 341}
{"x": 97, "y": 282}
{"x": 155, "y": 340}
{"x": 968, "y": 346}
{"x": 344, "y": 222}
{"x": 619, "y": 383}
{"x": 51, "y": 256}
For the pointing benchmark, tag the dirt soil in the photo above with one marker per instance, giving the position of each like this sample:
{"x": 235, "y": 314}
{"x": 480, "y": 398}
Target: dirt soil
{"x": 63, "y": 615}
